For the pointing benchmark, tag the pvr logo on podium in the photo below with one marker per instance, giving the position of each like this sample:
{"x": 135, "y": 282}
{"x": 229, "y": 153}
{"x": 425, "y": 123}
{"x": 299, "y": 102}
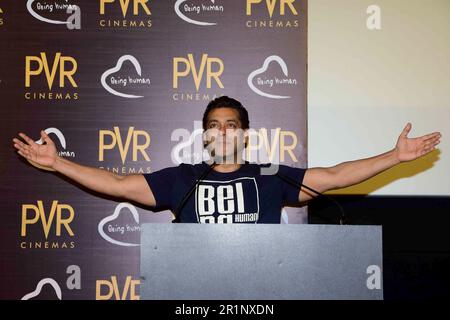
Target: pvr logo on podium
{"x": 106, "y": 290}
{"x": 119, "y": 12}
{"x": 49, "y": 72}
{"x": 133, "y": 143}
{"x": 40, "y": 220}
{"x": 283, "y": 10}
{"x": 208, "y": 68}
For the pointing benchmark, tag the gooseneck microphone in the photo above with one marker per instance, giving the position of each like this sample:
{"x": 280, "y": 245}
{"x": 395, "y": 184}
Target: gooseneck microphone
{"x": 187, "y": 195}
{"x": 342, "y": 219}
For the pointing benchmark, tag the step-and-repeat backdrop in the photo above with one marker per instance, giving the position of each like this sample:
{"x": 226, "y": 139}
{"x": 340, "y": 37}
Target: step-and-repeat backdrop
{"x": 122, "y": 85}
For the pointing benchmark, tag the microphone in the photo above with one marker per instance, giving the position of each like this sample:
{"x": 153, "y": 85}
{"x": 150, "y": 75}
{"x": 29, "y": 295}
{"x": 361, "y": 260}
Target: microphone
{"x": 187, "y": 195}
{"x": 342, "y": 219}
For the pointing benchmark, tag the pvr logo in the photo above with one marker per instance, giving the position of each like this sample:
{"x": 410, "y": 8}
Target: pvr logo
{"x": 137, "y": 140}
{"x": 274, "y": 147}
{"x": 62, "y": 69}
{"x": 67, "y": 67}
{"x": 183, "y": 67}
{"x": 124, "y": 6}
{"x": 271, "y": 4}
{"x": 60, "y": 216}
{"x": 136, "y": 7}
{"x": 282, "y": 7}
{"x": 105, "y": 289}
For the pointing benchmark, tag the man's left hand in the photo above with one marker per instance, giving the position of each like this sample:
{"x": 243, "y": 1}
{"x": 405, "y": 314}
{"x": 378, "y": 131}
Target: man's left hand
{"x": 412, "y": 148}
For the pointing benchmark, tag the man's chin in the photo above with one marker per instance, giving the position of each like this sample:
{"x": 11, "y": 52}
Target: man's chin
{"x": 225, "y": 158}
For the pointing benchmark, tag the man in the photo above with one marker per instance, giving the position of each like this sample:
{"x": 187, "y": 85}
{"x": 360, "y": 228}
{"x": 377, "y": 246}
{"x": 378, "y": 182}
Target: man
{"x": 226, "y": 189}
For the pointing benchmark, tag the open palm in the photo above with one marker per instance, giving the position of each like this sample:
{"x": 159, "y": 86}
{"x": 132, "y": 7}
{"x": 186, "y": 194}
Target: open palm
{"x": 412, "y": 148}
{"x": 42, "y": 154}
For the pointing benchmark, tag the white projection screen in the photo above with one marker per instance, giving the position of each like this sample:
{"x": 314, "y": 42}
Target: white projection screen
{"x": 365, "y": 84}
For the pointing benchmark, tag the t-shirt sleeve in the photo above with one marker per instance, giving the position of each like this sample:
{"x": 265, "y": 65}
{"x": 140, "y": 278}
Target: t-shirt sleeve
{"x": 161, "y": 183}
{"x": 289, "y": 190}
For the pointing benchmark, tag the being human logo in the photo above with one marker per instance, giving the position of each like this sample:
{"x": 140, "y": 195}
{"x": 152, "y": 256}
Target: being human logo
{"x": 260, "y": 81}
{"x": 191, "y": 12}
{"x": 46, "y": 281}
{"x": 65, "y": 153}
{"x": 109, "y": 227}
{"x": 113, "y": 82}
{"x": 190, "y": 145}
{"x": 53, "y": 12}
{"x": 73, "y": 282}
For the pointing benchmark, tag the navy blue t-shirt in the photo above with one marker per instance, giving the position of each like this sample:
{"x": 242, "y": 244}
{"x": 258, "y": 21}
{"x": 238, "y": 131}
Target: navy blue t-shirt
{"x": 242, "y": 196}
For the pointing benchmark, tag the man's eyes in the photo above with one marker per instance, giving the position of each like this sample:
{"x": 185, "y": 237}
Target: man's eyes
{"x": 229, "y": 125}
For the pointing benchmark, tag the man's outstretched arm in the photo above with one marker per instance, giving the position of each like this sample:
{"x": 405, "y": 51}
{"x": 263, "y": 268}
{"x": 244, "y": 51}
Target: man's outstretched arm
{"x": 353, "y": 172}
{"x": 130, "y": 187}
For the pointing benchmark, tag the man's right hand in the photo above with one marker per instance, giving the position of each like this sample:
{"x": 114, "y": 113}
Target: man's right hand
{"x": 130, "y": 187}
{"x": 42, "y": 154}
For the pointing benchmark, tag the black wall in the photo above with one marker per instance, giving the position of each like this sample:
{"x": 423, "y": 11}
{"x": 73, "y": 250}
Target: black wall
{"x": 416, "y": 239}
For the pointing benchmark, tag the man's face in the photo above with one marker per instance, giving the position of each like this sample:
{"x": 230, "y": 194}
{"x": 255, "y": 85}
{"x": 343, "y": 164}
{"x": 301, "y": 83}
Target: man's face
{"x": 224, "y": 134}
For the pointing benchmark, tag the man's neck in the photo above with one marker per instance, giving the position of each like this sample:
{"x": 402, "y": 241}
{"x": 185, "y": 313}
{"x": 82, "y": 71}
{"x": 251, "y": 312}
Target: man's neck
{"x": 228, "y": 167}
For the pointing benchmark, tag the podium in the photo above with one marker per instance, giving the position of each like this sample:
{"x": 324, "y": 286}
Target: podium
{"x": 260, "y": 262}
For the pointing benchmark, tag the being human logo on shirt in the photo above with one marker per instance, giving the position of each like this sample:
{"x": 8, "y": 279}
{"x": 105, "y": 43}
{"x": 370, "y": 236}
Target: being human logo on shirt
{"x": 233, "y": 201}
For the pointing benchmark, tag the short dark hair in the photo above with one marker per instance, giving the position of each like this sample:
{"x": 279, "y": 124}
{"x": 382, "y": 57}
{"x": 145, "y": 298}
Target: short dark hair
{"x": 227, "y": 102}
